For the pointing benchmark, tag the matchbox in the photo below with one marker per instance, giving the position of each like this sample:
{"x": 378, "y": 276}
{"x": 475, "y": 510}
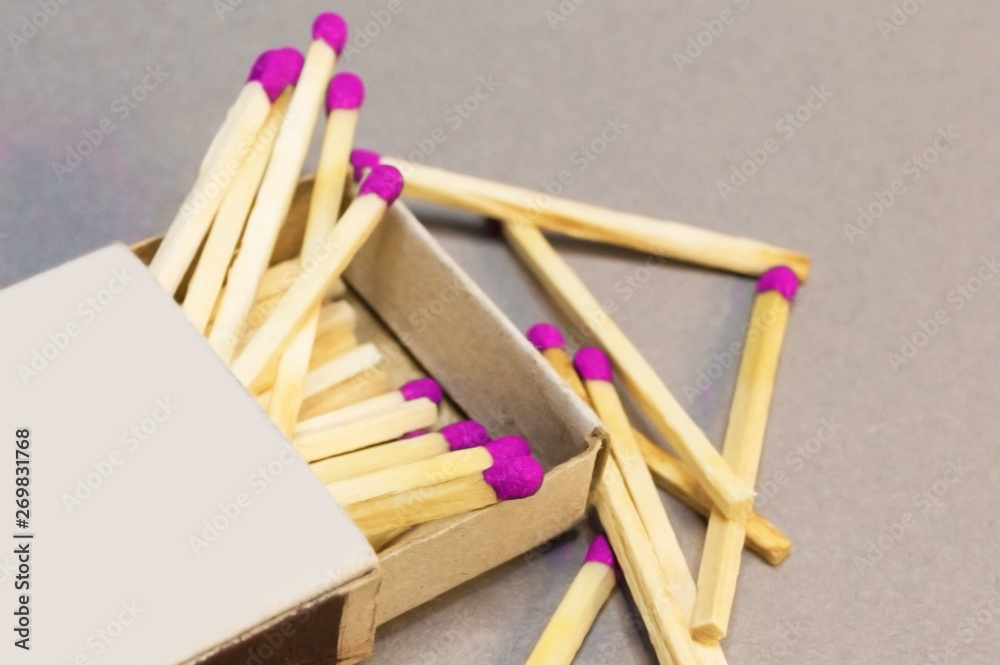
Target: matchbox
{"x": 428, "y": 317}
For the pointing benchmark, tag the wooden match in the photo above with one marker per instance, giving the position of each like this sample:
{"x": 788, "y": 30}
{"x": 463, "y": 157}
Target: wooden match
{"x": 595, "y": 370}
{"x": 507, "y": 480}
{"x": 274, "y": 198}
{"x": 343, "y": 101}
{"x": 318, "y": 443}
{"x": 273, "y": 71}
{"x": 457, "y": 436}
{"x": 375, "y": 195}
{"x": 578, "y": 609}
{"x": 674, "y": 240}
{"x": 424, "y": 387}
{"x": 336, "y": 371}
{"x": 203, "y": 289}
{"x": 742, "y": 447}
{"x": 428, "y": 472}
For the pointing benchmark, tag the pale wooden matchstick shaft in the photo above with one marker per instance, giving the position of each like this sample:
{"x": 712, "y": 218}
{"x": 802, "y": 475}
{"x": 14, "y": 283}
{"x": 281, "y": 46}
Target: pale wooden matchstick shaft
{"x": 644, "y": 493}
{"x": 324, "y": 208}
{"x": 414, "y": 475}
{"x": 336, "y": 371}
{"x": 362, "y": 409}
{"x": 318, "y": 444}
{"x": 674, "y": 240}
{"x": 206, "y": 282}
{"x": 667, "y": 625}
{"x": 380, "y": 457}
{"x": 406, "y": 509}
{"x": 188, "y": 229}
{"x": 369, "y": 384}
{"x": 276, "y": 280}
{"x": 660, "y": 406}
{"x": 670, "y": 473}
{"x": 742, "y": 448}
{"x": 274, "y": 199}
{"x": 340, "y": 246}
{"x": 574, "y": 616}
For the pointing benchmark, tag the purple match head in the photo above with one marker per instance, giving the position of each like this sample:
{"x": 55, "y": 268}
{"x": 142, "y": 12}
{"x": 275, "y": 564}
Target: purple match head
{"x": 276, "y": 69}
{"x": 592, "y": 364}
{"x": 362, "y": 160}
{"x": 414, "y": 434}
{"x": 332, "y": 29}
{"x": 781, "y": 279}
{"x": 545, "y": 336}
{"x": 346, "y": 91}
{"x": 464, "y": 434}
{"x": 600, "y": 551}
{"x": 515, "y": 477}
{"x": 508, "y": 446}
{"x": 384, "y": 181}
{"x": 425, "y": 387}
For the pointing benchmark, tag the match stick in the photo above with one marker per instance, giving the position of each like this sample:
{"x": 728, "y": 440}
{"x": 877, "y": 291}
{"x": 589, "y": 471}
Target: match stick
{"x": 674, "y": 240}
{"x": 428, "y": 472}
{"x": 273, "y": 71}
{"x": 372, "y": 383}
{"x": 764, "y": 538}
{"x": 336, "y": 371}
{"x": 411, "y": 390}
{"x": 317, "y": 444}
{"x": 742, "y": 447}
{"x": 333, "y": 339}
{"x": 578, "y": 609}
{"x": 344, "y": 98}
{"x": 274, "y": 198}
{"x": 457, "y": 436}
{"x": 217, "y": 255}
{"x": 668, "y": 472}
{"x": 375, "y": 195}
{"x": 507, "y": 480}
{"x": 731, "y": 495}
{"x": 595, "y": 370}
{"x": 665, "y": 622}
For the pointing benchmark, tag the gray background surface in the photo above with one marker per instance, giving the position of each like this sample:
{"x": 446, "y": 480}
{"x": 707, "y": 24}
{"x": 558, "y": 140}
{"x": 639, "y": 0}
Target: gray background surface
{"x": 921, "y": 596}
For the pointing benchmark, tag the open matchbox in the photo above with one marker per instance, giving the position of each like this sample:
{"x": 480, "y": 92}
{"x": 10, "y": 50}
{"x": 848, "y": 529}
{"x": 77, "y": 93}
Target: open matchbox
{"x": 290, "y": 580}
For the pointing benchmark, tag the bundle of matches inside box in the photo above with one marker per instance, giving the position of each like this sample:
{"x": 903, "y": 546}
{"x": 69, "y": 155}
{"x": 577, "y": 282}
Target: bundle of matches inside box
{"x": 288, "y": 333}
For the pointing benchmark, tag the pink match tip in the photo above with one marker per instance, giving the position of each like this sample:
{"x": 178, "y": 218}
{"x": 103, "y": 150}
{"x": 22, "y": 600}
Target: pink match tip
{"x": 545, "y": 336}
{"x": 277, "y": 69}
{"x": 592, "y": 364}
{"x": 515, "y": 477}
{"x": 508, "y": 446}
{"x": 600, "y": 551}
{"x": 781, "y": 279}
{"x": 332, "y": 29}
{"x": 346, "y": 91}
{"x": 384, "y": 181}
{"x": 414, "y": 434}
{"x": 464, "y": 434}
{"x": 425, "y": 387}
{"x": 362, "y": 160}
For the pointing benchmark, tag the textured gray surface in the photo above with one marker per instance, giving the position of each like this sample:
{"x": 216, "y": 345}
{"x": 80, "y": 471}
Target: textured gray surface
{"x": 927, "y": 597}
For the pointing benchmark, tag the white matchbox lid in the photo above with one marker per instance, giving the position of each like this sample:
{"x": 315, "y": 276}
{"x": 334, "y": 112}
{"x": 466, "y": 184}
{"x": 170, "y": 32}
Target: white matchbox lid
{"x": 139, "y": 437}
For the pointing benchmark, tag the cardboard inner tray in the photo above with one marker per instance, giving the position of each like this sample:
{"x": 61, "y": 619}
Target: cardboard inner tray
{"x": 428, "y": 317}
